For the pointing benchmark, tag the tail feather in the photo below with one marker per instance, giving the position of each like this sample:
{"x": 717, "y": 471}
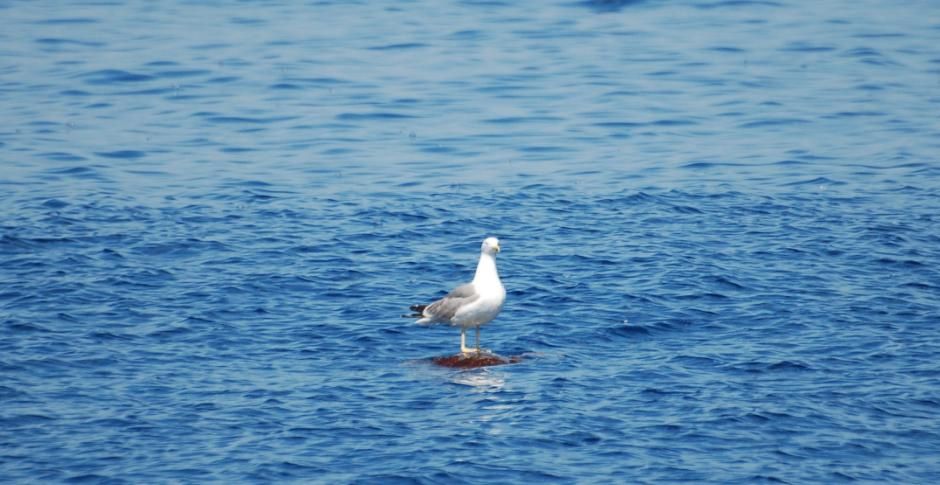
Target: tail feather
{"x": 418, "y": 311}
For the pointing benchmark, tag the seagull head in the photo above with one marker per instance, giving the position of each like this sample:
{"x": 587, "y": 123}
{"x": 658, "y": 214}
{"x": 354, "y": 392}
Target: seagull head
{"x": 490, "y": 245}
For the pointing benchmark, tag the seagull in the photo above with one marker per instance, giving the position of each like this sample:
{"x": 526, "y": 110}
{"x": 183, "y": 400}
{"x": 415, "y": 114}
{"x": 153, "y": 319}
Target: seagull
{"x": 470, "y": 305}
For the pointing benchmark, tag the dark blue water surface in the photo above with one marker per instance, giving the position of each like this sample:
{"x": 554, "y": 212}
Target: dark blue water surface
{"x": 720, "y": 224}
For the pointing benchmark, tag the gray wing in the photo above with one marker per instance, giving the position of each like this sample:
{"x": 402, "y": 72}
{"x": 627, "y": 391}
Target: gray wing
{"x": 444, "y": 309}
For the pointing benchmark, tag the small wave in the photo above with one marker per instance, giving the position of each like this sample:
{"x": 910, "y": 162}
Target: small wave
{"x": 790, "y": 163}
{"x": 855, "y": 114}
{"x": 74, "y": 92}
{"x": 773, "y": 122}
{"x": 182, "y": 73}
{"x": 737, "y": 4}
{"x": 170, "y": 332}
{"x": 435, "y": 148}
{"x": 62, "y": 157}
{"x": 114, "y": 76}
{"x": 695, "y": 361}
{"x": 728, "y": 49}
{"x": 544, "y": 149}
{"x": 513, "y": 120}
{"x": 380, "y": 116}
{"x": 700, "y": 165}
{"x": 686, "y": 209}
{"x": 55, "y": 41}
{"x": 467, "y": 34}
{"x": 223, "y": 79}
{"x": 55, "y": 204}
{"x": 122, "y": 154}
{"x": 396, "y": 47}
{"x": 725, "y": 282}
{"x": 12, "y": 422}
{"x": 67, "y": 21}
{"x": 906, "y": 263}
{"x": 249, "y": 120}
{"x": 806, "y": 47}
{"x": 285, "y": 87}
{"x": 628, "y": 331}
{"x": 618, "y": 124}
{"x": 27, "y": 327}
{"x": 788, "y": 366}
{"x": 764, "y": 367}
{"x": 814, "y": 181}
{"x": 608, "y": 6}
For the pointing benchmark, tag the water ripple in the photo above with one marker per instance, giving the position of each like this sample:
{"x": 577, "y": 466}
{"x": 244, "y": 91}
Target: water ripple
{"x": 719, "y": 226}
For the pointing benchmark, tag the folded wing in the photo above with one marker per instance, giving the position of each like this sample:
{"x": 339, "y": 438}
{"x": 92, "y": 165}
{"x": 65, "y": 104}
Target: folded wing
{"x": 443, "y": 310}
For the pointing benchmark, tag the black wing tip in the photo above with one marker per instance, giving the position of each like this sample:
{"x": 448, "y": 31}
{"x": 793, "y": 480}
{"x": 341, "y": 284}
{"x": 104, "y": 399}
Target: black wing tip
{"x": 418, "y": 311}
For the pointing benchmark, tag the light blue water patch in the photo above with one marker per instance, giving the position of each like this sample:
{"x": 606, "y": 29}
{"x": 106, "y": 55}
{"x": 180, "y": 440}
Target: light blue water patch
{"x": 719, "y": 224}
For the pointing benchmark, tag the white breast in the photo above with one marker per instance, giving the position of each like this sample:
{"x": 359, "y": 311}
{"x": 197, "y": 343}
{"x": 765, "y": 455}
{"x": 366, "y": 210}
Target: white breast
{"x": 486, "y": 283}
{"x": 483, "y": 310}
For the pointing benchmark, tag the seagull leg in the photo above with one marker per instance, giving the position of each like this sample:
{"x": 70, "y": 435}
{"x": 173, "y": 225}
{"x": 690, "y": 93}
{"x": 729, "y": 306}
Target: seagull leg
{"x": 478, "y": 340}
{"x": 463, "y": 341}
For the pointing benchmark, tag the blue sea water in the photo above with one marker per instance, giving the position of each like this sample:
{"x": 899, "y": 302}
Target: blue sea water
{"x": 720, "y": 224}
